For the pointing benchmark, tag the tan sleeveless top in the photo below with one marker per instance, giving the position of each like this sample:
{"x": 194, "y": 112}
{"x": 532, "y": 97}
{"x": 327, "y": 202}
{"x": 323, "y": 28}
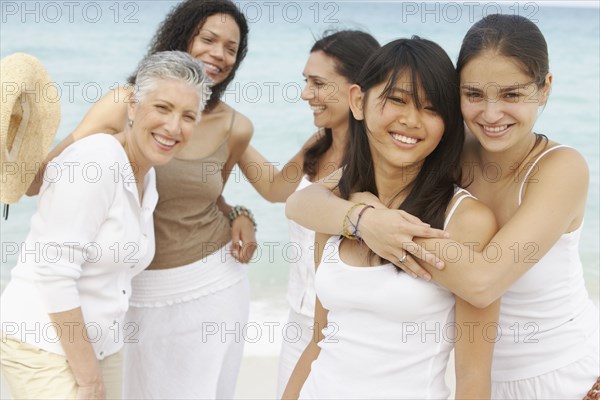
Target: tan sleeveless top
{"x": 187, "y": 222}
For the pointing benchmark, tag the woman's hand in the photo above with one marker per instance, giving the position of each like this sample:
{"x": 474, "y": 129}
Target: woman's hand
{"x": 243, "y": 237}
{"x": 80, "y": 354}
{"x": 390, "y": 233}
{"x": 91, "y": 391}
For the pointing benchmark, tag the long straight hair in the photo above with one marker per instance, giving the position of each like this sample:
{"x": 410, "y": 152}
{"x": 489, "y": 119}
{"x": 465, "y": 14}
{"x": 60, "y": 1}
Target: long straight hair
{"x": 429, "y": 68}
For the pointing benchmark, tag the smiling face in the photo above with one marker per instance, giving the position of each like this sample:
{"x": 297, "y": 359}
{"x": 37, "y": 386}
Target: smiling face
{"x": 163, "y": 120}
{"x": 499, "y": 101}
{"x": 216, "y": 45}
{"x": 400, "y": 134}
{"x": 326, "y": 92}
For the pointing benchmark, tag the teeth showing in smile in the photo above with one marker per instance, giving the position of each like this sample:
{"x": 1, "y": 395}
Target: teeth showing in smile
{"x": 317, "y": 109}
{"x": 404, "y": 139}
{"x": 164, "y": 141}
{"x": 495, "y": 129}
{"x": 212, "y": 68}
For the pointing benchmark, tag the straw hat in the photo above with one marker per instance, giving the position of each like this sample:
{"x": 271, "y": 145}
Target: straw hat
{"x": 30, "y": 114}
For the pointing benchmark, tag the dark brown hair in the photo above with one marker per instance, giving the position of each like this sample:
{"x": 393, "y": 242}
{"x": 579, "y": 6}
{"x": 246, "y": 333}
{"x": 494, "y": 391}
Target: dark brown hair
{"x": 349, "y": 50}
{"x": 510, "y": 36}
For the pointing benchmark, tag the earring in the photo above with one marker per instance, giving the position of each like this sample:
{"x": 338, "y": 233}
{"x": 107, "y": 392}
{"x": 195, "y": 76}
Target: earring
{"x": 130, "y": 122}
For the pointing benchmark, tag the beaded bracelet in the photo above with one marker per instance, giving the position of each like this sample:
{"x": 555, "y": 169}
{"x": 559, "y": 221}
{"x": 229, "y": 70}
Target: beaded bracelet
{"x": 360, "y": 214}
{"x": 345, "y": 232}
{"x": 236, "y": 211}
{"x": 354, "y": 234}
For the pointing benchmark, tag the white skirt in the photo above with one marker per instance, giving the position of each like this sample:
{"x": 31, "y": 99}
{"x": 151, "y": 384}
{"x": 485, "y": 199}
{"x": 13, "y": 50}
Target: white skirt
{"x": 572, "y": 381}
{"x": 184, "y": 331}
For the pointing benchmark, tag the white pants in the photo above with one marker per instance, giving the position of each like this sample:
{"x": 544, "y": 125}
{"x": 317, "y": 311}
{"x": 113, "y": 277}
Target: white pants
{"x": 187, "y": 347}
{"x": 291, "y": 350}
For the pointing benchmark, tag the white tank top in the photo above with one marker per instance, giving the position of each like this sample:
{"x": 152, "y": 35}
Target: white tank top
{"x": 388, "y": 336}
{"x": 546, "y": 316}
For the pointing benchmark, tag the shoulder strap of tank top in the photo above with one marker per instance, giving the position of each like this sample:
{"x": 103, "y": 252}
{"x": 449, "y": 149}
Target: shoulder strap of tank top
{"x": 462, "y": 194}
{"x": 226, "y": 141}
{"x": 533, "y": 166}
{"x": 231, "y": 123}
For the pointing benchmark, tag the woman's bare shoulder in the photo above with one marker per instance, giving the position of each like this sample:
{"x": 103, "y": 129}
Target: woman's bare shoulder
{"x": 239, "y": 125}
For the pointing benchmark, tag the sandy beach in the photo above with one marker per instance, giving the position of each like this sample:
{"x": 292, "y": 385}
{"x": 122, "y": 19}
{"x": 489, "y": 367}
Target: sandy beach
{"x": 258, "y": 378}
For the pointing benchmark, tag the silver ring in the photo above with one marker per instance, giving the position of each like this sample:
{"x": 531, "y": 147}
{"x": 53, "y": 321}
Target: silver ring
{"x": 403, "y": 258}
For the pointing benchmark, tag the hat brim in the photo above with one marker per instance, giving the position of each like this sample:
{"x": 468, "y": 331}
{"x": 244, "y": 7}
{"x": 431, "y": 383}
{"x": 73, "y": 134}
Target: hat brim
{"x": 29, "y": 119}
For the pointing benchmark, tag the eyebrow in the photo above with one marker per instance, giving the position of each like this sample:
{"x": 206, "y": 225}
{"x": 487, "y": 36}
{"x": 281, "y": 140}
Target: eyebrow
{"x": 167, "y": 102}
{"x": 215, "y": 34}
{"x": 314, "y": 77}
{"x": 401, "y": 90}
{"x": 503, "y": 89}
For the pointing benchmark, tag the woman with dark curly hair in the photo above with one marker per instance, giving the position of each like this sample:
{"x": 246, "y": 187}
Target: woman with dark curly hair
{"x": 182, "y": 26}
{"x": 197, "y": 285}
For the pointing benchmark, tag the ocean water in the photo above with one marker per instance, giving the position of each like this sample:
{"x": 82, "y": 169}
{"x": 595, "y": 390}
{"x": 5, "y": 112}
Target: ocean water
{"x": 90, "y": 47}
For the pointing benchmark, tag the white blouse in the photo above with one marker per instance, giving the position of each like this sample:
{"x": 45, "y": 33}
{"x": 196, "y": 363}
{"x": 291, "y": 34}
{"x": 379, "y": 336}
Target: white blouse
{"x": 88, "y": 238}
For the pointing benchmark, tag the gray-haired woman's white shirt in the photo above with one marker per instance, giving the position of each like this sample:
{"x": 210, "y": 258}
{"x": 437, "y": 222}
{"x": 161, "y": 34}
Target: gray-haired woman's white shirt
{"x": 88, "y": 238}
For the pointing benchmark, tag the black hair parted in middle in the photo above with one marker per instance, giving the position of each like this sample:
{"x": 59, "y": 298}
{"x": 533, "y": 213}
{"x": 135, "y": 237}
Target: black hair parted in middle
{"x": 432, "y": 74}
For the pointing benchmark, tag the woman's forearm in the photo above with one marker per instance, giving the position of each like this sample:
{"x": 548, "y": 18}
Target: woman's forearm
{"x": 553, "y": 204}
{"x": 480, "y": 277}
{"x": 301, "y": 371}
{"x": 318, "y": 209}
{"x": 389, "y": 233}
{"x": 474, "y": 348}
{"x": 271, "y": 183}
{"x": 477, "y": 386}
{"x": 257, "y": 170}
{"x": 78, "y": 349}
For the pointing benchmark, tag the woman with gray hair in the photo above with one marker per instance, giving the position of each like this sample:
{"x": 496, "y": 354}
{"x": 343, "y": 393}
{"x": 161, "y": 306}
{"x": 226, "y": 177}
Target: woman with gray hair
{"x": 199, "y": 276}
{"x": 62, "y": 313}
